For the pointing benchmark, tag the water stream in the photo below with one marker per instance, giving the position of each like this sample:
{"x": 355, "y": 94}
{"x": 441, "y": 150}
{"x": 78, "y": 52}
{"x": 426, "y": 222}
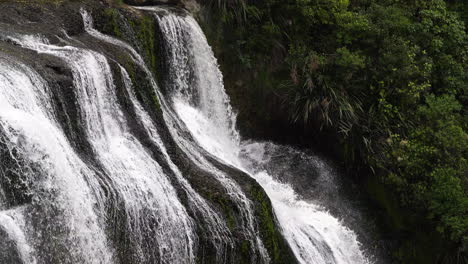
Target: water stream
{"x": 199, "y": 99}
{"x": 119, "y": 205}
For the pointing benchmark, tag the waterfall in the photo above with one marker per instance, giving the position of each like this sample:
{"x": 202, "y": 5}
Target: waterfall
{"x": 218, "y": 231}
{"x": 177, "y": 33}
{"x": 156, "y": 217}
{"x": 59, "y": 182}
{"x": 125, "y": 197}
{"x": 219, "y": 234}
{"x": 193, "y": 152}
{"x": 194, "y": 75}
{"x": 199, "y": 99}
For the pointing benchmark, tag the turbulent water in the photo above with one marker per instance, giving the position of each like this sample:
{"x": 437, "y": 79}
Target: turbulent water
{"x": 119, "y": 202}
{"x": 314, "y": 235}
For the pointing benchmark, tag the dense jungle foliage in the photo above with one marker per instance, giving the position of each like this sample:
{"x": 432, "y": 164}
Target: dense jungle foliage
{"x": 388, "y": 78}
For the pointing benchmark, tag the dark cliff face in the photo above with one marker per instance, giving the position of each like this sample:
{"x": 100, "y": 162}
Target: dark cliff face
{"x": 57, "y": 20}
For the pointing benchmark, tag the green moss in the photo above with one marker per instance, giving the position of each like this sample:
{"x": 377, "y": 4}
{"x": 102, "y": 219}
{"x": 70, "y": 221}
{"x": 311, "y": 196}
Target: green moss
{"x": 272, "y": 238}
{"x": 225, "y": 207}
{"x": 144, "y": 28}
{"x": 156, "y": 103}
{"x": 267, "y": 223}
{"x": 274, "y": 242}
{"x": 228, "y": 210}
{"x": 112, "y": 25}
{"x": 112, "y": 21}
{"x": 143, "y": 88}
{"x": 245, "y": 251}
{"x": 118, "y": 2}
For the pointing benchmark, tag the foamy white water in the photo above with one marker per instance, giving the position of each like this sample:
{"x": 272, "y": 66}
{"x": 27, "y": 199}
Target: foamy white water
{"x": 187, "y": 45}
{"x": 218, "y": 226}
{"x": 157, "y": 219}
{"x": 218, "y": 232}
{"x": 29, "y": 126}
{"x": 201, "y": 102}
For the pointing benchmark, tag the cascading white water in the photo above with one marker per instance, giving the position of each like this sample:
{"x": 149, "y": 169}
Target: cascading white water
{"x": 27, "y": 120}
{"x": 217, "y": 229}
{"x": 157, "y": 219}
{"x": 218, "y": 232}
{"x": 183, "y": 36}
{"x": 195, "y": 75}
{"x": 193, "y": 152}
{"x": 159, "y": 228}
{"x": 314, "y": 235}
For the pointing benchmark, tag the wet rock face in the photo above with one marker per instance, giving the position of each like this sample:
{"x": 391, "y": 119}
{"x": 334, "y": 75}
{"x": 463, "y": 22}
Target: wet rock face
{"x": 152, "y": 2}
{"x": 191, "y": 5}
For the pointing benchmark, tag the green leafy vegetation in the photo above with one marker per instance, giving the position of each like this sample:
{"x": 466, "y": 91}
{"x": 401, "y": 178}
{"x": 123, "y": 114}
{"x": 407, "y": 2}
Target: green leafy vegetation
{"x": 387, "y": 78}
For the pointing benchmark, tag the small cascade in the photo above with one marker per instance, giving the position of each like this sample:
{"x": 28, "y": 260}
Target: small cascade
{"x": 199, "y": 100}
{"x": 193, "y": 152}
{"x": 155, "y": 217}
{"x": 217, "y": 229}
{"x": 182, "y": 37}
{"x": 59, "y": 183}
{"x": 194, "y": 75}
